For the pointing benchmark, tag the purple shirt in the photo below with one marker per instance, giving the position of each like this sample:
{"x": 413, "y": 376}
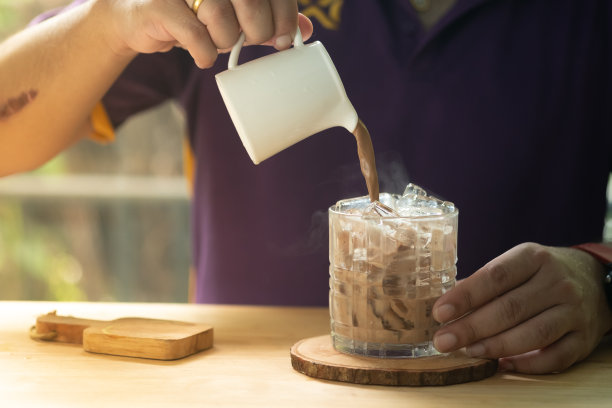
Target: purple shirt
{"x": 504, "y": 107}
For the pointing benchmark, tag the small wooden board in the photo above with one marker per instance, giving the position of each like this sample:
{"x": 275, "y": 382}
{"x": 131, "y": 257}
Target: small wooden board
{"x": 131, "y": 336}
{"x": 316, "y": 357}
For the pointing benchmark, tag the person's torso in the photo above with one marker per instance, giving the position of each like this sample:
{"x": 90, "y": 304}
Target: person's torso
{"x": 502, "y": 107}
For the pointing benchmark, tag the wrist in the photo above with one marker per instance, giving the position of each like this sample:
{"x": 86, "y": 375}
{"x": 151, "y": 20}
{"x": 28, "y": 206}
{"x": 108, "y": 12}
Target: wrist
{"x": 102, "y": 19}
{"x": 602, "y": 256}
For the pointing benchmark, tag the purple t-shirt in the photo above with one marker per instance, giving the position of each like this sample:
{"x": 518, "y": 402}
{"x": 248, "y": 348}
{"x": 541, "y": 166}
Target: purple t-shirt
{"x": 504, "y": 108}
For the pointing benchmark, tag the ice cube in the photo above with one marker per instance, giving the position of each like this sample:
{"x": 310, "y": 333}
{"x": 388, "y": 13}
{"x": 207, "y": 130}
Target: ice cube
{"x": 448, "y": 206}
{"x": 378, "y": 210}
{"x": 448, "y": 279}
{"x": 388, "y": 199}
{"x": 404, "y": 233}
{"x": 352, "y": 205}
{"x": 382, "y": 246}
{"x": 419, "y": 206}
{"x": 405, "y": 203}
{"x": 340, "y": 309}
{"x": 414, "y": 190}
{"x": 442, "y": 260}
{"x": 416, "y": 202}
{"x": 438, "y": 243}
{"x": 435, "y": 283}
{"x": 360, "y": 254}
{"x": 340, "y": 249}
{"x": 405, "y": 264}
{"x": 424, "y": 261}
{"x": 449, "y": 275}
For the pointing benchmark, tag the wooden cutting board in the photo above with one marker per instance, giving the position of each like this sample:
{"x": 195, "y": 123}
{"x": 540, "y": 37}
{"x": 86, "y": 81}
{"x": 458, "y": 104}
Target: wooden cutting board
{"x": 316, "y": 357}
{"x": 130, "y": 336}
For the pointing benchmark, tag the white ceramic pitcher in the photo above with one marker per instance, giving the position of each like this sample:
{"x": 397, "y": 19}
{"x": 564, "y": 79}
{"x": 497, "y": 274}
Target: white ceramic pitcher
{"x": 280, "y": 99}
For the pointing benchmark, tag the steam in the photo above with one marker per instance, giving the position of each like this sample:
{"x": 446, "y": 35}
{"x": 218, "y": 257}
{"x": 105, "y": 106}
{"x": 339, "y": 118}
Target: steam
{"x": 392, "y": 175}
{"x": 313, "y": 240}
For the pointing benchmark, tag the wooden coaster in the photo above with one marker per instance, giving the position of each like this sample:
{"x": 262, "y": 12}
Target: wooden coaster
{"x": 316, "y": 357}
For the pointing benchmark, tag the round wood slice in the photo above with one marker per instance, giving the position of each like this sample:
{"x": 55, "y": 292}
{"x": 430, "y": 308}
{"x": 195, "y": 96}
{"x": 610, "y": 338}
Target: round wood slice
{"x": 316, "y": 357}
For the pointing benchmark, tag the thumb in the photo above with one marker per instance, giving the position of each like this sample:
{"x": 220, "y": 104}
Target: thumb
{"x": 305, "y": 26}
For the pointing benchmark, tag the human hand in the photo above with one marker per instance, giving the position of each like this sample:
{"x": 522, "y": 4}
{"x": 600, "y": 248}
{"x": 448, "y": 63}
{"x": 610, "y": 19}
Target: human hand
{"x": 539, "y": 309}
{"x": 148, "y": 26}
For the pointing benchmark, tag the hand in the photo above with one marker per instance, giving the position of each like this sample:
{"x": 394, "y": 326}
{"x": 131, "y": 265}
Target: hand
{"x": 148, "y": 26}
{"x": 540, "y": 309}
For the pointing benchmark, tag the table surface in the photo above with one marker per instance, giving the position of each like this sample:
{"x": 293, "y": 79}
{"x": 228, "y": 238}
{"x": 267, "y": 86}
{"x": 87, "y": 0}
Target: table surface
{"x": 249, "y": 365}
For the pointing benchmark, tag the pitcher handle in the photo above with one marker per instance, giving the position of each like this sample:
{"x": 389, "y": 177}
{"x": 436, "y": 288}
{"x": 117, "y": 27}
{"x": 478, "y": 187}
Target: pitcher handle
{"x": 233, "y": 58}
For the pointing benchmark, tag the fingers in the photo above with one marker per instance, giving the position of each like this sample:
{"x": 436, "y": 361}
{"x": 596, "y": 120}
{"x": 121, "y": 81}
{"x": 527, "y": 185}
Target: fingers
{"x": 306, "y": 29}
{"x": 505, "y": 312}
{"x": 535, "y": 333}
{"x": 269, "y": 22}
{"x": 221, "y": 22}
{"x": 181, "y": 24}
{"x": 305, "y": 26}
{"x": 285, "y": 14}
{"x": 157, "y": 26}
{"x": 554, "y": 358}
{"x": 499, "y": 276}
{"x": 535, "y": 303}
{"x": 256, "y": 20}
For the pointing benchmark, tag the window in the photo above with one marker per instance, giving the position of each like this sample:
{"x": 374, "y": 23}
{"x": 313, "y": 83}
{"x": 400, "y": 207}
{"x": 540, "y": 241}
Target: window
{"x": 98, "y": 222}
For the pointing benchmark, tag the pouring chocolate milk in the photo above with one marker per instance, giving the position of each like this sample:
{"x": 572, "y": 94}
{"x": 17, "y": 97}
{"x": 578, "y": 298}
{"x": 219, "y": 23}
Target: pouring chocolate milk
{"x": 280, "y": 99}
{"x": 390, "y": 260}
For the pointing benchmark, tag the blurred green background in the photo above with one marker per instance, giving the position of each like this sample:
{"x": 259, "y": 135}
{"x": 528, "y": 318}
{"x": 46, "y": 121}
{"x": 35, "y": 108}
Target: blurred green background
{"x": 98, "y": 223}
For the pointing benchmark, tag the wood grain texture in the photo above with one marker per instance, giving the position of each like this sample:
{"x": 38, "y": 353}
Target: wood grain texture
{"x": 65, "y": 329}
{"x": 130, "y": 336}
{"x": 148, "y": 338}
{"x": 316, "y": 357}
{"x": 249, "y": 366}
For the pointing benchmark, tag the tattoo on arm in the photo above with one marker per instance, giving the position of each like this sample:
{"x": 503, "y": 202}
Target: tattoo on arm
{"x": 14, "y": 105}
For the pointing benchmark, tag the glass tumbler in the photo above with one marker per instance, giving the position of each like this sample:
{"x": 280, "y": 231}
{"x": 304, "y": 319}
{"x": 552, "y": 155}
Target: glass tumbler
{"x": 386, "y": 272}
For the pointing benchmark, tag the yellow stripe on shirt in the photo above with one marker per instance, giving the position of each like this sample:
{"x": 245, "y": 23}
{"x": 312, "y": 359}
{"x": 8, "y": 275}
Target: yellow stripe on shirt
{"x": 189, "y": 163}
{"x": 102, "y": 128}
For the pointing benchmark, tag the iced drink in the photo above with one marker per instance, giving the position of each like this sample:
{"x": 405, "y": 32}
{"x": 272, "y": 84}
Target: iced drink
{"x": 390, "y": 260}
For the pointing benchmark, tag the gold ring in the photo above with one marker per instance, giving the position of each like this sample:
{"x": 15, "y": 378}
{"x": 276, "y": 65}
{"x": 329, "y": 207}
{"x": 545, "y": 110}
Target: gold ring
{"x": 196, "y": 6}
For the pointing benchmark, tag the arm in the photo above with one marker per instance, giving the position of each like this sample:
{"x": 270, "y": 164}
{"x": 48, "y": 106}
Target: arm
{"x": 53, "y": 74}
{"x": 540, "y": 309}
{"x": 64, "y": 68}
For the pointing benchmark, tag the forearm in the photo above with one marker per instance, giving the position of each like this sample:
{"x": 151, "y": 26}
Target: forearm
{"x": 51, "y": 77}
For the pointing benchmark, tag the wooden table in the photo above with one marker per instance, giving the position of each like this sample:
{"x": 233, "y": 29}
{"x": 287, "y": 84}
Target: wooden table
{"x": 248, "y": 366}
